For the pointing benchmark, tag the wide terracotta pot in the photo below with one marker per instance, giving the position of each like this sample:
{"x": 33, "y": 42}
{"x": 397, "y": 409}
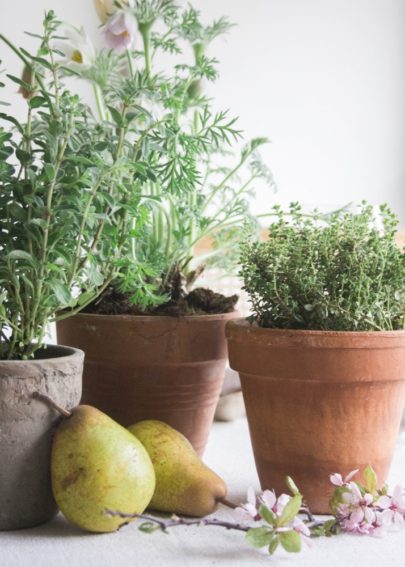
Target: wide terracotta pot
{"x": 319, "y": 402}
{"x": 147, "y": 367}
{"x": 26, "y": 429}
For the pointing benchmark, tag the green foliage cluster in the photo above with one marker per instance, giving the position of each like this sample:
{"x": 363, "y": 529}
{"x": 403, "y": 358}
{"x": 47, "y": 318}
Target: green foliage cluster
{"x": 343, "y": 272}
{"x": 67, "y": 194}
{"x": 183, "y": 150}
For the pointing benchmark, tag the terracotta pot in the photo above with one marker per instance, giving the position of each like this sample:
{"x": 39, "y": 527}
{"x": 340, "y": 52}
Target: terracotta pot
{"x": 319, "y": 402}
{"x": 26, "y": 428}
{"x": 146, "y": 367}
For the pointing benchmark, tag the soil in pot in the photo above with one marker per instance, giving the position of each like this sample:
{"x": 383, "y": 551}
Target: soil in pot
{"x": 200, "y": 301}
{"x": 154, "y": 366}
{"x": 319, "y": 402}
{"x": 26, "y": 428}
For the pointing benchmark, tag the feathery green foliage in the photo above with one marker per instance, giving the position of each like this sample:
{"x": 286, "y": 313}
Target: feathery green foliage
{"x": 192, "y": 183}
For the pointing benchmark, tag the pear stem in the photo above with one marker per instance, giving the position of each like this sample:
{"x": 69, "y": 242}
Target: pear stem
{"x": 227, "y": 503}
{"x": 52, "y": 403}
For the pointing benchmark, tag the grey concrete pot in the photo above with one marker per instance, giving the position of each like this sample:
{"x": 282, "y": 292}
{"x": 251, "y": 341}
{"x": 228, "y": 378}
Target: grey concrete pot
{"x": 26, "y": 428}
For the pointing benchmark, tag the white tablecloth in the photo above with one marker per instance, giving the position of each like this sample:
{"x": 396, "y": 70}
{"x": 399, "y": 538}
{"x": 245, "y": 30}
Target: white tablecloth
{"x": 58, "y": 544}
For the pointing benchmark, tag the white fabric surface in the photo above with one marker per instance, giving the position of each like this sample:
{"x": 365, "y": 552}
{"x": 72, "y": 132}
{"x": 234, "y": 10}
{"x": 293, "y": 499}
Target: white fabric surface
{"x": 62, "y": 545}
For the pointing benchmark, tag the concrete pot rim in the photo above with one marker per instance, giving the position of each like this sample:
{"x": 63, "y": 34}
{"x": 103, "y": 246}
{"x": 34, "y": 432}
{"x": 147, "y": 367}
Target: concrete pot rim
{"x": 65, "y": 352}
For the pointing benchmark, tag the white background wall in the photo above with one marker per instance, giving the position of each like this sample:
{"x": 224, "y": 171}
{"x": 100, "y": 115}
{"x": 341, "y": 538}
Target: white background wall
{"x": 324, "y": 79}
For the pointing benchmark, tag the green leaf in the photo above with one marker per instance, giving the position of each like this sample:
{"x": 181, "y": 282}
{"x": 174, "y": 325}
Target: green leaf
{"x": 290, "y": 510}
{"x": 62, "y": 293}
{"x": 274, "y": 544}
{"x": 259, "y": 537}
{"x": 84, "y": 297}
{"x": 148, "y": 527}
{"x": 292, "y": 487}
{"x": 23, "y": 156}
{"x": 13, "y": 121}
{"x": 371, "y": 479}
{"x": 37, "y": 101}
{"x": 116, "y": 116}
{"x": 20, "y": 255}
{"x": 330, "y": 527}
{"x": 291, "y": 541}
{"x": 49, "y": 171}
{"x": 336, "y": 499}
{"x": 268, "y": 515}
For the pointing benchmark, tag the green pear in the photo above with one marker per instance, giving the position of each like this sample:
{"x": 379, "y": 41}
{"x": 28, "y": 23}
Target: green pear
{"x": 97, "y": 465}
{"x": 184, "y": 484}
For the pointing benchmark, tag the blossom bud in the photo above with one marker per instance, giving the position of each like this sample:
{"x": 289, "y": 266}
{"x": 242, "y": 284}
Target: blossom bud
{"x": 106, "y": 8}
{"x": 29, "y": 78}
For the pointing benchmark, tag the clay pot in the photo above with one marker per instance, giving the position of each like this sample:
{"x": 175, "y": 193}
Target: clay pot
{"x": 319, "y": 402}
{"x": 26, "y": 428}
{"x": 152, "y": 367}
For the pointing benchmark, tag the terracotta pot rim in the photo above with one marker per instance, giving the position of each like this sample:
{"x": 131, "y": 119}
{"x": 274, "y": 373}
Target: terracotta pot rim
{"x": 68, "y": 352}
{"x": 142, "y": 318}
{"x": 242, "y": 324}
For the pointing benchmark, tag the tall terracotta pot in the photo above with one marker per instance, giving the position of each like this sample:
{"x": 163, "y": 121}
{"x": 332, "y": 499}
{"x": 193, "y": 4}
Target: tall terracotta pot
{"x": 147, "y": 367}
{"x": 26, "y": 429}
{"x": 319, "y": 402}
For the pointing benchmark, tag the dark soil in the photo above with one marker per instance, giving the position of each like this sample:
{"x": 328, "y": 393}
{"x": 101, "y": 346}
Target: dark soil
{"x": 199, "y": 301}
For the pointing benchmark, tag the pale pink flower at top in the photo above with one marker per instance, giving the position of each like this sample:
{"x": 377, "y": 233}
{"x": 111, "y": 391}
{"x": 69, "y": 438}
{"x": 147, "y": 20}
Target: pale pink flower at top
{"x": 393, "y": 507}
{"x": 248, "y": 511}
{"x": 269, "y": 499}
{"x": 337, "y": 479}
{"x": 120, "y": 31}
{"x": 276, "y": 505}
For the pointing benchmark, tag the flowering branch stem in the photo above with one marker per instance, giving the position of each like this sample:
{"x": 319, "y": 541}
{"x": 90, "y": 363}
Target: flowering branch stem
{"x": 163, "y": 525}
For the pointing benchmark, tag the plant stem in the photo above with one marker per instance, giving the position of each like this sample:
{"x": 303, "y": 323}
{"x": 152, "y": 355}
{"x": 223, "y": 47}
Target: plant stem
{"x": 144, "y": 30}
{"x": 224, "y": 181}
{"x": 130, "y": 66}
{"x": 76, "y": 261}
{"x": 99, "y": 102}
{"x": 164, "y": 525}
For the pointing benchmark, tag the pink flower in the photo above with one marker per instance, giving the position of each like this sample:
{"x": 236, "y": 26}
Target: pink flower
{"x": 393, "y": 507}
{"x": 269, "y": 499}
{"x": 357, "y": 512}
{"x": 300, "y": 527}
{"x": 248, "y": 511}
{"x": 276, "y": 505}
{"x": 337, "y": 479}
{"x": 120, "y": 31}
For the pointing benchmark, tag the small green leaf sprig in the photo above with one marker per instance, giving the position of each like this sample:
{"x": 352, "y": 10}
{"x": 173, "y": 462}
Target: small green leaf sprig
{"x": 341, "y": 272}
{"x": 284, "y": 521}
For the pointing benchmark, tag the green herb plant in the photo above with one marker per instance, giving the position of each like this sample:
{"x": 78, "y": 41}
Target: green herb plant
{"x": 183, "y": 150}
{"x": 343, "y": 273}
{"x": 67, "y": 194}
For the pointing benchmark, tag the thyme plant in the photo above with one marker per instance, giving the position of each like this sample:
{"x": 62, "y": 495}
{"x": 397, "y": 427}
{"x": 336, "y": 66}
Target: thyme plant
{"x": 67, "y": 192}
{"x": 182, "y": 149}
{"x": 345, "y": 274}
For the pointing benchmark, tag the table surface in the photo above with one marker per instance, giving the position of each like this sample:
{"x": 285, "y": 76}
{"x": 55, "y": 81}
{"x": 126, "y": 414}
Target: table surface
{"x": 59, "y": 544}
